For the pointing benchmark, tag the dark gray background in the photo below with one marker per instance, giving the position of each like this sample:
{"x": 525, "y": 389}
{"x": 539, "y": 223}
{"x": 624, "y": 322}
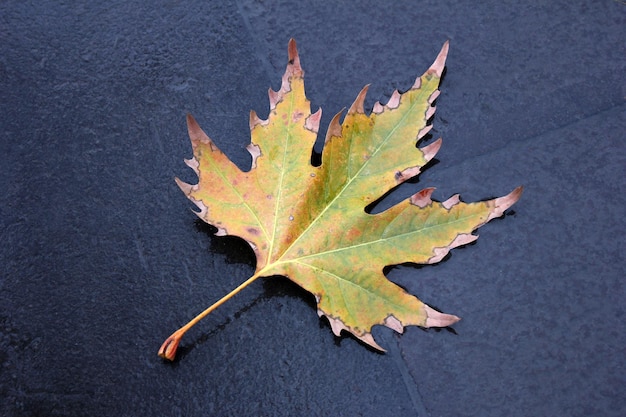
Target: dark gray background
{"x": 101, "y": 257}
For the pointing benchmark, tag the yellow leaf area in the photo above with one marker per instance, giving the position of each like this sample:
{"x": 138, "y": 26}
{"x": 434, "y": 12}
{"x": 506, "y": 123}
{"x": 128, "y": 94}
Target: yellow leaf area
{"x": 309, "y": 223}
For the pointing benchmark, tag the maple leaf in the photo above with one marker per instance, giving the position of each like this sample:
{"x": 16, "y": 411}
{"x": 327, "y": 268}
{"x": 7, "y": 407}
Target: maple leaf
{"x": 309, "y": 223}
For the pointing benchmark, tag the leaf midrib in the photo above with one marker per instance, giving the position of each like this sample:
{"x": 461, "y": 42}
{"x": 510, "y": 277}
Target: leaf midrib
{"x": 372, "y": 242}
{"x": 287, "y": 141}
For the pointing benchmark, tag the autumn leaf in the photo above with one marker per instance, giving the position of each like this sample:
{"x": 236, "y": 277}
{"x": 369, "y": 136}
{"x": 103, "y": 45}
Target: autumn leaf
{"x": 309, "y": 223}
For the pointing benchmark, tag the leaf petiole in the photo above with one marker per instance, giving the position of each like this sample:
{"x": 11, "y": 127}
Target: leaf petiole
{"x": 168, "y": 348}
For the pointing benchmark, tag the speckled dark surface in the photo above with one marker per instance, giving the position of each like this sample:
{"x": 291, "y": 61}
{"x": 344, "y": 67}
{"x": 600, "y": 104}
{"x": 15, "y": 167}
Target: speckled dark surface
{"x": 101, "y": 257}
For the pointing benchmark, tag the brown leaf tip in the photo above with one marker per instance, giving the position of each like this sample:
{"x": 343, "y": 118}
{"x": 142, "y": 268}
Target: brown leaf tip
{"x": 451, "y": 202}
{"x": 274, "y": 97}
{"x": 196, "y": 134}
{"x": 368, "y": 339}
{"x": 358, "y": 105}
{"x": 184, "y": 187}
{"x": 294, "y": 59}
{"x": 255, "y": 152}
{"x": 193, "y": 164}
{"x": 313, "y": 121}
{"x": 431, "y": 150}
{"x": 378, "y": 108}
{"x": 394, "y": 100}
{"x": 436, "y": 68}
{"x": 392, "y": 103}
{"x": 433, "y": 96}
{"x": 395, "y": 324}
{"x": 503, "y": 203}
{"x": 436, "y": 319}
{"x": 255, "y": 120}
{"x": 293, "y": 67}
{"x": 334, "y": 128}
{"x": 440, "y": 62}
{"x": 422, "y": 198}
{"x": 430, "y": 112}
{"x": 204, "y": 210}
{"x": 337, "y": 325}
{"x": 460, "y": 240}
{"x": 423, "y": 131}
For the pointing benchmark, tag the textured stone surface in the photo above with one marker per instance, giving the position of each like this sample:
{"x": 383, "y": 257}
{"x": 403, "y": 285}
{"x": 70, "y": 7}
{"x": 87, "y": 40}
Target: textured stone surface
{"x": 101, "y": 258}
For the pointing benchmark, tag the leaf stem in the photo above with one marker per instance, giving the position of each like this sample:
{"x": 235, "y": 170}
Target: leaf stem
{"x": 168, "y": 348}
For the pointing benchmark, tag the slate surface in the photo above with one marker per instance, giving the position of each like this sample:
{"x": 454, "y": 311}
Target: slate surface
{"x": 101, "y": 258}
